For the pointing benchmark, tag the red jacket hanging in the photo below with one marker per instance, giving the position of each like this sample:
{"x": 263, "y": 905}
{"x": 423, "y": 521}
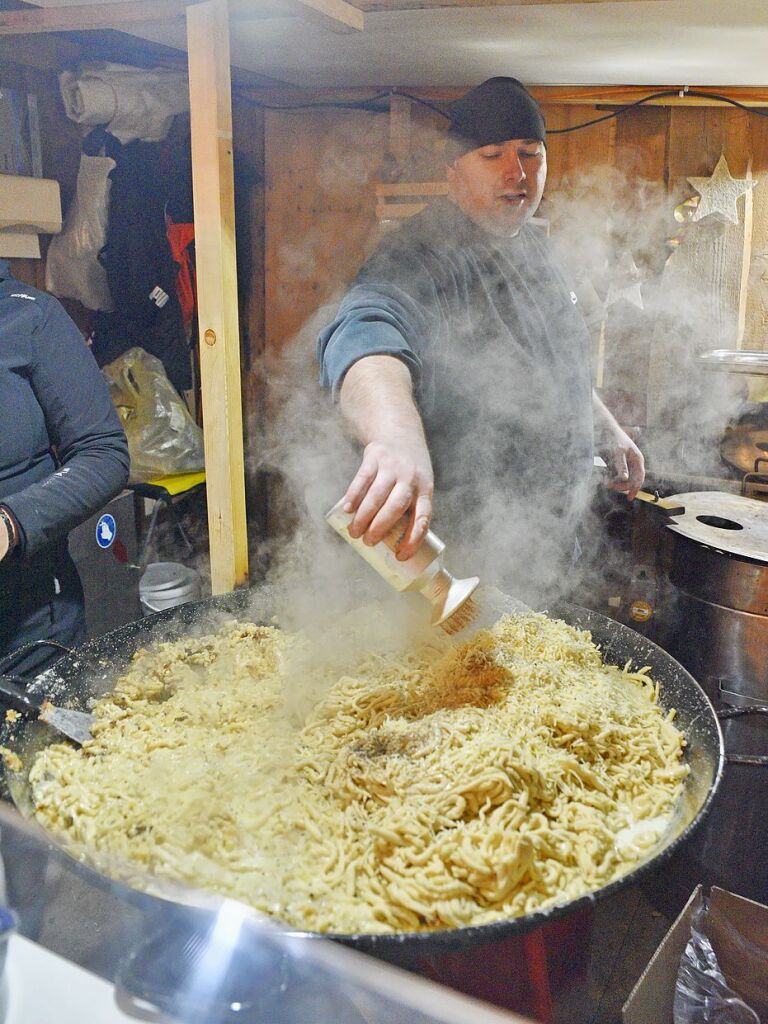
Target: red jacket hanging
{"x": 180, "y": 238}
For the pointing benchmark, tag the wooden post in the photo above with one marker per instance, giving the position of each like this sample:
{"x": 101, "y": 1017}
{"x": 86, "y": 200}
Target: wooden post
{"x": 746, "y": 261}
{"x": 400, "y": 128}
{"x": 213, "y": 187}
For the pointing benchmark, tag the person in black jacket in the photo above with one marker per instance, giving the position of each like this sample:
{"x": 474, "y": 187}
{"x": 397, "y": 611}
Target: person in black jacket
{"x": 63, "y": 455}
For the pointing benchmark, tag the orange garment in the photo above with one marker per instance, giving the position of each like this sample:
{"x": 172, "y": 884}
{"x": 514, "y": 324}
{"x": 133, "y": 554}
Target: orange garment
{"x": 180, "y": 237}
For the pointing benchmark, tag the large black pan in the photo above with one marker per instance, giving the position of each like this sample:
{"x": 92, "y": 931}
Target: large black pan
{"x": 91, "y": 671}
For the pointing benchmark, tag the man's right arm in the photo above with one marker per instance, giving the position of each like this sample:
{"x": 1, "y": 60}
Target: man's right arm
{"x": 395, "y": 475}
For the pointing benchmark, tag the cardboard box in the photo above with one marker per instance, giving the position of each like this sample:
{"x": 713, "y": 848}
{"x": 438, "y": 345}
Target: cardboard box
{"x": 29, "y": 205}
{"x": 651, "y": 1000}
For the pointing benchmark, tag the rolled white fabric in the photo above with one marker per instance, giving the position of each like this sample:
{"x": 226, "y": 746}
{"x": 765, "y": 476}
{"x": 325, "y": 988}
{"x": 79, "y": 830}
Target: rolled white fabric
{"x": 87, "y": 99}
{"x": 133, "y": 103}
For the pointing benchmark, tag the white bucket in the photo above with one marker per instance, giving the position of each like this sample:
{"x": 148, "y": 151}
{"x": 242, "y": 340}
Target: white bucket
{"x": 166, "y": 585}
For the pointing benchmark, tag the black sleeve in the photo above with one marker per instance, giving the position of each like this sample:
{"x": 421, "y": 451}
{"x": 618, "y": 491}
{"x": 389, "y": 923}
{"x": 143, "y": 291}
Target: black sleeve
{"x": 83, "y": 427}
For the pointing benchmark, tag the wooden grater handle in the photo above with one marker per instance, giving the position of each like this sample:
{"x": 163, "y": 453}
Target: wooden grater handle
{"x": 668, "y": 506}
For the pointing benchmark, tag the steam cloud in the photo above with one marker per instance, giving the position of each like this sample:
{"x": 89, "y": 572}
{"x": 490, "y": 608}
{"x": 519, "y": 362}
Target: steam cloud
{"x": 614, "y": 232}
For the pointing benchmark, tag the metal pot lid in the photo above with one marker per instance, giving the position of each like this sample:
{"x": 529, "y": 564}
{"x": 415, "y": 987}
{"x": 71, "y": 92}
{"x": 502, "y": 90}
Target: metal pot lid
{"x": 726, "y": 522}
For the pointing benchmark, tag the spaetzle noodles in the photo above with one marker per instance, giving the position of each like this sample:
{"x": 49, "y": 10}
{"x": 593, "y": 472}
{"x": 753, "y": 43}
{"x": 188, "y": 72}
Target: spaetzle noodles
{"x": 457, "y": 784}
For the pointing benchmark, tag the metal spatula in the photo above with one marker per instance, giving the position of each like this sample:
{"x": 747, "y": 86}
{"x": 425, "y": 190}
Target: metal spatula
{"x": 75, "y": 725}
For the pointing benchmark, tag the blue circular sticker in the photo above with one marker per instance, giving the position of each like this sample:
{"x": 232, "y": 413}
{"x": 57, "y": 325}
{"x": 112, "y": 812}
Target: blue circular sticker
{"x": 106, "y": 531}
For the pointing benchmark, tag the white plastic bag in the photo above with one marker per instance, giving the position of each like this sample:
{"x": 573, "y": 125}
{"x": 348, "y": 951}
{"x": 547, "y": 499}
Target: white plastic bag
{"x": 72, "y": 269}
{"x": 162, "y": 436}
{"x": 702, "y": 993}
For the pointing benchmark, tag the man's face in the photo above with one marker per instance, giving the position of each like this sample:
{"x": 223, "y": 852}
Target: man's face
{"x": 499, "y": 187}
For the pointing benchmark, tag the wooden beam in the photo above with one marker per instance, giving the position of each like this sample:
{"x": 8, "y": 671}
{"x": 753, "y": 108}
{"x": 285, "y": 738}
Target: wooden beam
{"x": 746, "y": 260}
{"x": 398, "y": 211}
{"x": 46, "y": 53}
{"x": 402, "y": 189}
{"x": 622, "y": 95}
{"x": 579, "y": 95}
{"x": 400, "y": 128}
{"x": 370, "y": 6}
{"x": 84, "y": 17}
{"x": 336, "y": 15}
{"x": 213, "y": 192}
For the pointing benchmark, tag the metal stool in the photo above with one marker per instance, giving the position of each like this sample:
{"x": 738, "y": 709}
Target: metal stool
{"x": 162, "y": 490}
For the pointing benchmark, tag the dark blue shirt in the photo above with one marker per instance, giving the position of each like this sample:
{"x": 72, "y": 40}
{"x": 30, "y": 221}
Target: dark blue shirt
{"x": 492, "y": 333}
{"x": 499, "y": 352}
{"x": 63, "y": 452}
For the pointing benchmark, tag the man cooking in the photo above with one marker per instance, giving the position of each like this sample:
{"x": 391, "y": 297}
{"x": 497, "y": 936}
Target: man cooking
{"x": 461, "y": 346}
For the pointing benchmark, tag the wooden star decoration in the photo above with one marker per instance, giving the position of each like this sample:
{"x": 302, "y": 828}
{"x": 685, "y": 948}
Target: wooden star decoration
{"x": 719, "y": 193}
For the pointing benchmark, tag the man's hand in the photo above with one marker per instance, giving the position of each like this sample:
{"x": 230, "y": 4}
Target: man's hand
{"x": 395, "y": 475}
{"x": 623, "y": 457}
{"x": 627, "y": 464}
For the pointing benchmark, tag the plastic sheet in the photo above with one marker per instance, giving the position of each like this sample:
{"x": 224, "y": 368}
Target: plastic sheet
{"x": 702, "y": 993}
{"x": 72, "y": 268}
{"x": 162, "y": 436}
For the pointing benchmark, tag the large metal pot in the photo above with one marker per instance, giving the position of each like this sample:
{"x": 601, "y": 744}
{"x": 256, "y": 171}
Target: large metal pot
{"x": 91, "y": 671}
{"x": 716, "y": 556}
{"x": 714, "y": 621}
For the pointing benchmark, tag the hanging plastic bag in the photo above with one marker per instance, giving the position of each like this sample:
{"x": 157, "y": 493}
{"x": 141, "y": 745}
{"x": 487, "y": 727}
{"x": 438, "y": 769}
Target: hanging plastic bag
{"x": 162, "y": 436}
{"x": 72, "y": 269}
{"x": 702, "y": 993}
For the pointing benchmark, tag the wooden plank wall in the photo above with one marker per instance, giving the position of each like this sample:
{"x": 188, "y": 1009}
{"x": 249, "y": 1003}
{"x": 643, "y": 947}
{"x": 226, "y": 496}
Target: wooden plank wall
{"x": 321, "y": 168}
{"x": 313, "y": 222}
{"x": 319, "y": 210}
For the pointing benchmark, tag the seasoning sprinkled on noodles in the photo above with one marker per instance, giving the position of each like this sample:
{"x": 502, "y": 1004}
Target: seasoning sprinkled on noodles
{"x": 454, "y": 785}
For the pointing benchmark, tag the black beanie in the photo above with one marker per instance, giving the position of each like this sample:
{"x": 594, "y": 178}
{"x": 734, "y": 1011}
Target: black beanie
{"x": 497, "y": 110}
